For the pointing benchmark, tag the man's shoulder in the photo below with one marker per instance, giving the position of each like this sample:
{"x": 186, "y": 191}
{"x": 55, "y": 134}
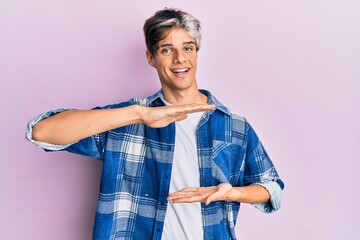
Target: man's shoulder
{"x": 238, "y": 117}
{"x": 152, "y": 100}
{"x": 131, "y": 101}
{"x": 139, "y": 101}
{"x": 239, "y": 123}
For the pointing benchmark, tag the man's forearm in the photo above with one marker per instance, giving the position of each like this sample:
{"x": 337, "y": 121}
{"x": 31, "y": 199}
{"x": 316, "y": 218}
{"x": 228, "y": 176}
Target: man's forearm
{"x": 73, "y": 125}
{"x": 249, "y": 194}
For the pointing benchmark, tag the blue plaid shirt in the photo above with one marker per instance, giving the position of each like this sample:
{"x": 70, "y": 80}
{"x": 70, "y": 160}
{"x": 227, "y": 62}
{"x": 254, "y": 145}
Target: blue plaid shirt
{"x": 137, "y": 162}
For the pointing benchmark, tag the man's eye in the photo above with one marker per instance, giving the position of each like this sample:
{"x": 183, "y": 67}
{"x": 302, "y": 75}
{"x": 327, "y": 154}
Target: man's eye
{"x": 166, "y": 50}
{"x": 188, "y": 49}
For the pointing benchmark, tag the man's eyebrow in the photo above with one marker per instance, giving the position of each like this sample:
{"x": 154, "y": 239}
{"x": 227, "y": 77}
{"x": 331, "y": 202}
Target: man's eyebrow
{"x": 189, "y": 42}
{"x": 170, "y": 45}
{"x": 166, "y": 45}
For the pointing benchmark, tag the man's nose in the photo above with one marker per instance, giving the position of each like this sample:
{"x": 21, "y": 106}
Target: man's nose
{"x": 179, "y": 57}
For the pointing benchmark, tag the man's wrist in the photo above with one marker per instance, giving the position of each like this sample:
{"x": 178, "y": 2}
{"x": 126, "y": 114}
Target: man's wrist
{"x": 234, "y": 194}
{"x": 138, "y": 113}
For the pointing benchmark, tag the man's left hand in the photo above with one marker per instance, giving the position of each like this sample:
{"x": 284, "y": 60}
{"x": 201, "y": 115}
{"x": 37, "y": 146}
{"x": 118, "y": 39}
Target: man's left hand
{"x": 221, "y": 192}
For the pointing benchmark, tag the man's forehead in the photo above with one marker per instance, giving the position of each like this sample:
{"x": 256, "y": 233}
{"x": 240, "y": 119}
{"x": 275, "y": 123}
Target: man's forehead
{"x": 177, "y": 36}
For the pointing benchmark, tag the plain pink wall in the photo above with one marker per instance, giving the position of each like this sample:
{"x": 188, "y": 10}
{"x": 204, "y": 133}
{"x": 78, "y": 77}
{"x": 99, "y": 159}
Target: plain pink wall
{"x": 291, "y": 67}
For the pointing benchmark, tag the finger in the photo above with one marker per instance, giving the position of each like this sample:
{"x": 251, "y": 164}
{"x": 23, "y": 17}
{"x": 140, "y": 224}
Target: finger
{"x": 208, "y": 201}
{"x": 189, "y": 189}
{"x": 210, "y": 198}
{"x": 199, "y": 108}
{"x": 173, "y": 196}
{"x": 218, "y": 194}
{"x": 191, "y": 108}
{"x": 188, "y": 199}
{"x": 181, "y": 195}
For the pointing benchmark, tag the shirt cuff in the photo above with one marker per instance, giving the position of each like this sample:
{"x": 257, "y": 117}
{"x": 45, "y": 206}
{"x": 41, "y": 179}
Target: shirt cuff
{"x": 35, "y": 120}
{"x": 275, "y": 193}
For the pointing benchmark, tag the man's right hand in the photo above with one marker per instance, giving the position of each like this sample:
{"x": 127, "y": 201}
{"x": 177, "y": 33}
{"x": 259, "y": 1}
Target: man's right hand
{"x": 157, "y": 117}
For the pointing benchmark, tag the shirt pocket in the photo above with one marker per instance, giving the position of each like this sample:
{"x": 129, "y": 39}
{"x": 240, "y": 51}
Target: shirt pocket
{"x": 228, "y": 162}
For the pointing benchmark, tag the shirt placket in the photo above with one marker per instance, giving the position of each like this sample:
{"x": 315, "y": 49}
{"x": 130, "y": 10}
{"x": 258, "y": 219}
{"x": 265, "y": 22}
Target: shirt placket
{"x": 205, "y": 171}
{"x": 169, "y": 132}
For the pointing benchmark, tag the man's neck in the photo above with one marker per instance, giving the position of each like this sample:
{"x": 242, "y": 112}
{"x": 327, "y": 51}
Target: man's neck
{"x": 187, "y": 96}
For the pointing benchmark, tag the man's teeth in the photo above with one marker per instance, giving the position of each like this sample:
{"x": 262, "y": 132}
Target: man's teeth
{"x": 180, "y": 70}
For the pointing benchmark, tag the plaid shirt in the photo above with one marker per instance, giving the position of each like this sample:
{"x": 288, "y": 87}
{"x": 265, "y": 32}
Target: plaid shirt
{"x": 137, "y": 163}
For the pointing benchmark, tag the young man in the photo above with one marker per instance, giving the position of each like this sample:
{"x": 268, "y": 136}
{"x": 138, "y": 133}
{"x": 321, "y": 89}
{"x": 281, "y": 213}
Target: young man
{"x": 177, "y": 164}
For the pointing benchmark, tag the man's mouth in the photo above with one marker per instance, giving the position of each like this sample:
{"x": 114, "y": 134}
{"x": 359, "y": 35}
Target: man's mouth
{"x": 180, "y": 70}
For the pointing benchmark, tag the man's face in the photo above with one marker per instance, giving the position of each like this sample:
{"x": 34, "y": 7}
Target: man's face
{"x": 176, "y": 61}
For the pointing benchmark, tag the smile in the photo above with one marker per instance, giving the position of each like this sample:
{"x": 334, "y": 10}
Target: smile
{"x": 182, "y": 70}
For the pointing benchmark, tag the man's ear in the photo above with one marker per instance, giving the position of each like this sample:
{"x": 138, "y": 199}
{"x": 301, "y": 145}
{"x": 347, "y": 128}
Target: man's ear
{"x": 150, "y": 58}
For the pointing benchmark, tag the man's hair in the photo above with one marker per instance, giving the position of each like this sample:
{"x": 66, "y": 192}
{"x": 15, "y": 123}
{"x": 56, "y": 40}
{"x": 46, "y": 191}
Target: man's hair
{"x": 158, "y": 26}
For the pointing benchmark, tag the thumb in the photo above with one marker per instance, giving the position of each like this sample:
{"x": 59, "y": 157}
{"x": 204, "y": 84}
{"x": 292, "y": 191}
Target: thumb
{"x": 208, "y": 200}
{"x": 211, "y": 198}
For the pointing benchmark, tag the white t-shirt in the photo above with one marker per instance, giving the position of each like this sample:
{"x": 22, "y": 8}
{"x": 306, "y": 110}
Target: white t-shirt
{"x": 184, "y": 220}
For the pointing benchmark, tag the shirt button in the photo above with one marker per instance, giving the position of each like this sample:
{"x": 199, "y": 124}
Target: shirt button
{"x": 158, "y": 229}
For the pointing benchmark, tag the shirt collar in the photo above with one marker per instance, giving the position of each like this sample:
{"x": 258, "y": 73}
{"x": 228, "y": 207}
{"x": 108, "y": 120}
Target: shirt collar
{"x": 157, "y": 100}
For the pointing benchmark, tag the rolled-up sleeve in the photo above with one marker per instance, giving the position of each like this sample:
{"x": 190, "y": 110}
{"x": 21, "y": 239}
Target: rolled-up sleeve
{"x": 44, "y": 145}
{"x": 275, "y": 201}
{"x": 259, "y": 170}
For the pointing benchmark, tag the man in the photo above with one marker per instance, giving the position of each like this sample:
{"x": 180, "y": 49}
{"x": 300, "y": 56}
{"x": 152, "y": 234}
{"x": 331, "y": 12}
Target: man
{"x": 177, "y": 164}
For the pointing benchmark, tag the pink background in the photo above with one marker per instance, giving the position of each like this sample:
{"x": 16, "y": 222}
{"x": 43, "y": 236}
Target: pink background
{"x": 291, "y": 67}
